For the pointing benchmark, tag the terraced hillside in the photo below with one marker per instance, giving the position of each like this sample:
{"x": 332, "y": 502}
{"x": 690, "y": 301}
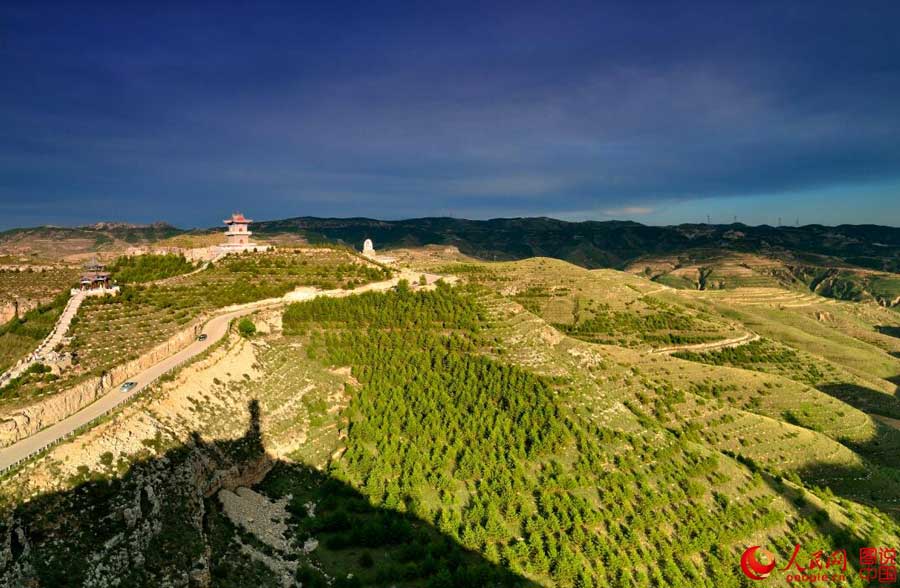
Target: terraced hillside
{"x": 716, "y": 269}
{"x": 29, "y": 282}
{"x": 713, "y": 270}
{"x": 846, "y": 262}
{"x": 613, "y": 244}
{"x": 474, "y": 436}
{"x": 112, "y": 330}
{"x": 831, "y": 368}
{"x": 602, "y": 306}
{"x": 69, "y": 243}
{"x": 852, "y": 335}
{"x": 31, "y": 299}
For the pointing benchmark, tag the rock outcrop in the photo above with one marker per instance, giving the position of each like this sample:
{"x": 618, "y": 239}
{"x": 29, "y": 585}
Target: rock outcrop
{"x": 159, "y": 502}
{"x": 18, "y": 307}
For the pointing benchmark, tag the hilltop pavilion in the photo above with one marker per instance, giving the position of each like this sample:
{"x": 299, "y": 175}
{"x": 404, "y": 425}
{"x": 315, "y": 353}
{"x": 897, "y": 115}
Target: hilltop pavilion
{"x": 95, "y": 277}
{"x": 95, "y": 281}
{"x": 237, "y": 235}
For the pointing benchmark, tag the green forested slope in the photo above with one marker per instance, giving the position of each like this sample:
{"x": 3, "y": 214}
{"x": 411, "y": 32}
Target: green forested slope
{"x": 450, "y": 437}
{"x": 493, "y": 456}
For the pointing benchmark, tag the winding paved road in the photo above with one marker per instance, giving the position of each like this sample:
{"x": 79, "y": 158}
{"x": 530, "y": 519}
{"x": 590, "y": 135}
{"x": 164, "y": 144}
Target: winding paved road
{"x": 215, "y": 329}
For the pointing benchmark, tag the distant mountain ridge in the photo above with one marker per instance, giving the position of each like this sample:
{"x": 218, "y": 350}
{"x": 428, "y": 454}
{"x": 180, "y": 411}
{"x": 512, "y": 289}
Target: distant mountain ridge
{"x": 591, "y": 244}
{"x": 114, "y": 225}
{"x": 616, "y": 244}
{"x": 53, "y": 242}
{"x": 849, "y": 262}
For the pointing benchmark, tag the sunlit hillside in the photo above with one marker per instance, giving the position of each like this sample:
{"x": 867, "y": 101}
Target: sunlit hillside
{"x": 527, "y": 423}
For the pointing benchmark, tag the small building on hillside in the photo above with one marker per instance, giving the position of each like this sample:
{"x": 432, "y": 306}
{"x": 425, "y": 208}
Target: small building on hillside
{"x": 237, "y": 235}
{"x": 95, "y": 280}
{"x": 95, "y": 276}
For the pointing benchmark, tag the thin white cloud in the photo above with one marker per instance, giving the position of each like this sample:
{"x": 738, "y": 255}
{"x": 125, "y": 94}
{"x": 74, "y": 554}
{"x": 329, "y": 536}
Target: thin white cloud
{"x": 628, "y": 210}
{"x": 513, "y": 186}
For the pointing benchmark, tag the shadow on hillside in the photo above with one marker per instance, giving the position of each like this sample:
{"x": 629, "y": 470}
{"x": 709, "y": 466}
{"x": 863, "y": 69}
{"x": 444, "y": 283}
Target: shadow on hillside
{"x": 889, "y": 330}
{"x": 850, "y": 540}
{"x": 876, "y": 483}
{"x": 866, "y": 399}
{"x": 883, "y": 449}
{"x": 161, "y": 522}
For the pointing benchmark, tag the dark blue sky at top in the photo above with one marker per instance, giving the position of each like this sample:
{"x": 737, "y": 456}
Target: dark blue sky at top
{"x": 658, "y": 112}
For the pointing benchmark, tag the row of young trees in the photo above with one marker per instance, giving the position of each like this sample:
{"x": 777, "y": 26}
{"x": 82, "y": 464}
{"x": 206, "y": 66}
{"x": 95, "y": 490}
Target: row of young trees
{"x": 760, "y": 355}
{"x": 661, "y": 323}
{"x": 147, "y": 268}
{"x": 323, "y": 273}
{"x": 759, "y": 351}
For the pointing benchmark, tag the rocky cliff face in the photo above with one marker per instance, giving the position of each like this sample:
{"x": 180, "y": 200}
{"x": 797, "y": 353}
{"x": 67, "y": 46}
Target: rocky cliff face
{"x": 8, "y": 310}
{"x": 125, "y": 504}
{"x": 135, "y": 500}
{"x": 17, "y": 308}
{"x": 123, "y": 527}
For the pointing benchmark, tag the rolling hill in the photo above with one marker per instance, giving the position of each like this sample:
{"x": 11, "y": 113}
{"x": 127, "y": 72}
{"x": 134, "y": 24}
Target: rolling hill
{"x": 849, "y": 262}
{"x": 538, "y": 424}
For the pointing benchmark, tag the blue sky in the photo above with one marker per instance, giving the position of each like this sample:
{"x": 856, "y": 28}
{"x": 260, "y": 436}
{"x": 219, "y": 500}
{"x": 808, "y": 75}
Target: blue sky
{"x": 656, "y": 112}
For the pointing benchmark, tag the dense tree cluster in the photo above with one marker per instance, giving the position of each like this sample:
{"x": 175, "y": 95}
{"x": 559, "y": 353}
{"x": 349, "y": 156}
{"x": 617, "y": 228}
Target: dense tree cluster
{"x": 661, "y": 323}
{"x": 486, "y": 452}
{"x": 246, "y": 327}
{"x": 323, "y": 275}
{"x": 758, "y": 351}
{"x": 611, "y": 322}
{"x": 442, "y": 308}
{"x": 533, "y": 298}
{"x": 147, "y": 268}
{"x": 760, "y": 355}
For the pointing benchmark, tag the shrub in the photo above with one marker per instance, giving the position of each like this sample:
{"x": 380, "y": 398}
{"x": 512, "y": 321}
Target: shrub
{"x": 246, "y": 328}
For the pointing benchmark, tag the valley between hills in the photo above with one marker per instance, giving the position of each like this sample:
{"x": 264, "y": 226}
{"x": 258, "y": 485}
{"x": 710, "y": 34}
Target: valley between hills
{"x": 498, "y": 416}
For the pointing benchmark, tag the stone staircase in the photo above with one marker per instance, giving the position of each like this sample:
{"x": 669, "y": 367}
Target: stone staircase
{"x": 50, "y": 341}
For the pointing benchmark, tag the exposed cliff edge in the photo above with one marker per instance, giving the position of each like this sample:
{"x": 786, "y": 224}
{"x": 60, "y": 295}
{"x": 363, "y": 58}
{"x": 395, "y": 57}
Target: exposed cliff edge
{"x": 159, "y": 507}
{"x": 11, "y": 309}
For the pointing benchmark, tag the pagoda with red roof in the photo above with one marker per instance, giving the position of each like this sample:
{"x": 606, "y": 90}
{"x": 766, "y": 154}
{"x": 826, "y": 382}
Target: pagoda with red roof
{"x": 238, "y": 233}
{"x": 237, "y": 236}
